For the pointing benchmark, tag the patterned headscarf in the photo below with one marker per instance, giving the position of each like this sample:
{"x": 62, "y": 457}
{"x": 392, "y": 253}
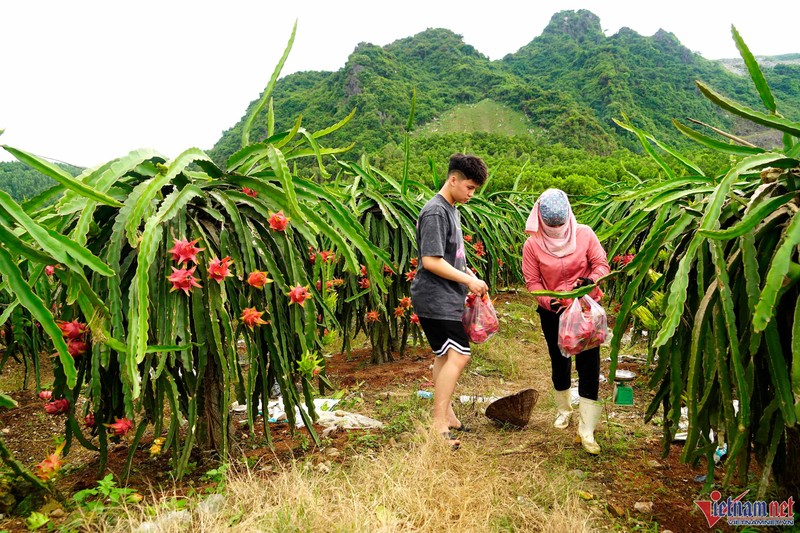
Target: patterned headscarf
{"x": 552, "y": 225}
{"x": 554, "y": 207}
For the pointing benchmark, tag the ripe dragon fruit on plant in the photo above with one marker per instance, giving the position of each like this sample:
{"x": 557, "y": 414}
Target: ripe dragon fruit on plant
{"x": 71, "y": 330}
{"x": 278, "y": 221}
{"x": 120, "y": 427}
{"x": 219, "y": 269}
{"x": 183, "y": 279}
{"x": 298, "y": 295}
{"x": 258, "y": 279}
{"x": 76, "y": 347}
{"x": 184, "y": 251}
{"x": 252, "y": 317}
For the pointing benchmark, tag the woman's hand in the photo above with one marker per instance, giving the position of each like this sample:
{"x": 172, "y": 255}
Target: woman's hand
{"x": 582, "y": 282}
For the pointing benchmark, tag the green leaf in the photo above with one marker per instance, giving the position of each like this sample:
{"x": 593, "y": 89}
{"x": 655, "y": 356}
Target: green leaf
{"x": 726, "y": 301}
{"x": 7, "y": 402}
{"x": 56, "y": 245}
{"x": 265, "y": 96}
{"x": 144, "y": 193}
{"x": 338, "y": 125}
{"x": 773, "y": 282}
{"x": 281, "y": 169}
{"x": 779, "y": 373}
{"x": 714, "y": 144}
{"x": 36, "y": 520}
{"x": 755, "y": 71}
{"x": 19, "y": 248}
{"x": 53, "y": 171}
{"x": 643, "y": 140}
{"x": 749, "y": 221}
{"x": 770, "y": 121}
{"x": 106, "y": 176}
{"x": 315, "y": 147}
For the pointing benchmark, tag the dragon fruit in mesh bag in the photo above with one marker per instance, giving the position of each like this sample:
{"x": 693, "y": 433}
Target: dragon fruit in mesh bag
{"x": 479, "y": 318}
{"x": 582, "y": 326}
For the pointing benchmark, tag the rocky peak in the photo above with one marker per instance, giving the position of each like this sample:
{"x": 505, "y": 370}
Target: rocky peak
{"x": 581, "y": 25}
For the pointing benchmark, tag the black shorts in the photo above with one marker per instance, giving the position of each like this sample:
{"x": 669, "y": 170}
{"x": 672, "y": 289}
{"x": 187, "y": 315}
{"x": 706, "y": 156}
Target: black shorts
{"x": 444, "y": 335}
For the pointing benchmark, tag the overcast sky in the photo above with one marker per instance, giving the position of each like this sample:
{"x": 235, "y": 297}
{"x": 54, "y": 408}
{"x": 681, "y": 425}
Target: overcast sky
{"x": 87, "y": 81}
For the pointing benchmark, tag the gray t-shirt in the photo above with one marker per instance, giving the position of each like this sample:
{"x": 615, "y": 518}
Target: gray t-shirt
{"x": 439, "y": 235}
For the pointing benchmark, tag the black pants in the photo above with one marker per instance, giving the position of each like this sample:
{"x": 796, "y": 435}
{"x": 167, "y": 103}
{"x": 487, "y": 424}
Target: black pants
{"x": 587, "y": 363}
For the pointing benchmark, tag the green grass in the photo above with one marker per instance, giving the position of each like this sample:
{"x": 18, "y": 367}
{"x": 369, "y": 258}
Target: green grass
{"x": 485, "y": 116}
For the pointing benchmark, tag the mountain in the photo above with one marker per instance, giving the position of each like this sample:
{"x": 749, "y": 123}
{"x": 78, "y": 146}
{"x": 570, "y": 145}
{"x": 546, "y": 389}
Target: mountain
{"x": 22, "y": 182}
{"x": 786, "y": 64}
{"x": 567, "y": 84}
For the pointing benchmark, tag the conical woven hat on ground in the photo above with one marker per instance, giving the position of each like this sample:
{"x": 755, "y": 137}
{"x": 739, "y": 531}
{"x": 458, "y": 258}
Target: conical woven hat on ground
{"x": 514, "y": 409}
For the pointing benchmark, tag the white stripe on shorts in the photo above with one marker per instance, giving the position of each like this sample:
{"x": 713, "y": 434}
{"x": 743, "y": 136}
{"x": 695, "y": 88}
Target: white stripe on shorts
{"x": 449, "y": 343}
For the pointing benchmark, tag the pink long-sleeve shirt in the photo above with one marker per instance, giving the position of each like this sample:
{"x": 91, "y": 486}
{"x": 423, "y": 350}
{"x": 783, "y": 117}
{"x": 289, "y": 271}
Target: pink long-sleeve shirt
{"x": 546, "y": 272}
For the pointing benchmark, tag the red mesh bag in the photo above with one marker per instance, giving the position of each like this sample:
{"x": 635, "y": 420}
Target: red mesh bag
{"x": 582, "y": 326}
{"x": 479, "y": 318}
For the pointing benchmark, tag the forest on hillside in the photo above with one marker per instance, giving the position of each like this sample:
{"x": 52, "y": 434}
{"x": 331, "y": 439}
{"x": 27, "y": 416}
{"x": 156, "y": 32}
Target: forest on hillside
{"x": 571, "y": 82}
{"x": 21, "y": 181}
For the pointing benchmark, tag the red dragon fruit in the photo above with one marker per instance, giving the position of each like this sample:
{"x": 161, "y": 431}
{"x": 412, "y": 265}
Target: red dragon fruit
{"x": 583, "y": 326}
{"x": 57, "y": 407}
{"x": 185, "y": 251}
{"x": 479, "y": 318}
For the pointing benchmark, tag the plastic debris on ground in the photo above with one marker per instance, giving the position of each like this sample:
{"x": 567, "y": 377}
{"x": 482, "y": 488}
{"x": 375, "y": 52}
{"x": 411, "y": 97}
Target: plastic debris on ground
{"x": 478, "y": 399}
{"x": 681, "y": 436}
{"x": 464, "y": 398}
{"x": 330, "y": 419}
{"x": 625, "y": 357}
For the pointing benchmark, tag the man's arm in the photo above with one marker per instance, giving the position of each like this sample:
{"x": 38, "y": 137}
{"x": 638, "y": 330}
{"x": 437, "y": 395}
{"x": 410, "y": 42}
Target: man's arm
{"x": 443, "y": 269}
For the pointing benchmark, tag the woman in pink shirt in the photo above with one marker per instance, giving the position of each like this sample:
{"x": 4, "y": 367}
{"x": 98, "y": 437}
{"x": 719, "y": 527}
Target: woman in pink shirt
{"x": 561, "y": 255}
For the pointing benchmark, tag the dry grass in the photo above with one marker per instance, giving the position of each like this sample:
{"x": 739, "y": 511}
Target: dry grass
{"x": 417, "y": 486}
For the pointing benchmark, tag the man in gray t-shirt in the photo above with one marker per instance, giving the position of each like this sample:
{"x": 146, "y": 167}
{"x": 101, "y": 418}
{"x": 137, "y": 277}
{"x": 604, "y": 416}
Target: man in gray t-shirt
{"x": 441, "y": 284}
{"x": 439, "y": 235}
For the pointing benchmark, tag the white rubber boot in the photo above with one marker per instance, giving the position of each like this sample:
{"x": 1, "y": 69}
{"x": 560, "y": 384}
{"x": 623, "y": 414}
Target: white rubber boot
{"x": 588, "y": 415}
{"x": 564, "y": 408}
